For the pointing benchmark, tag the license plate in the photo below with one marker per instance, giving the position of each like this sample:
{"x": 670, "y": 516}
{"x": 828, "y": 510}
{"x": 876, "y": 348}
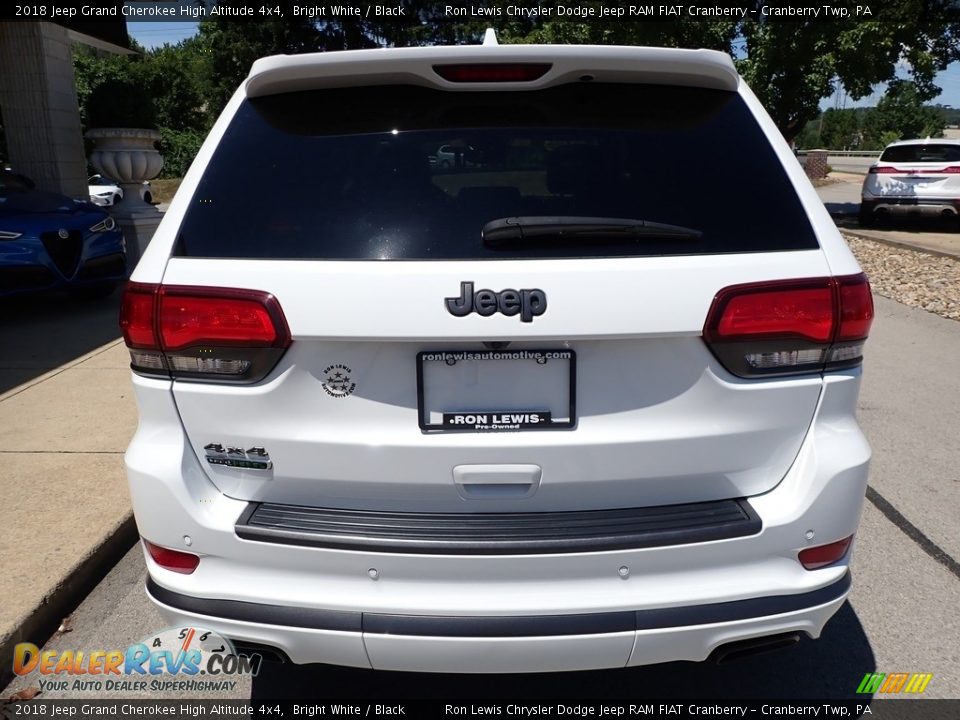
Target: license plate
{"x": 496, "y": 390}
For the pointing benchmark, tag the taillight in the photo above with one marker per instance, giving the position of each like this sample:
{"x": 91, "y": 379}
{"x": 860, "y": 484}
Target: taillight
{"x": 823, "y": 555}
{"x": 138, "y": 324}
{"x": 175, "y": 560}
{"x": 492, "y": 72}
{"x": 203, "y": 333}
{"x": 886, "y": 170}
{"x": 790, "y": 326}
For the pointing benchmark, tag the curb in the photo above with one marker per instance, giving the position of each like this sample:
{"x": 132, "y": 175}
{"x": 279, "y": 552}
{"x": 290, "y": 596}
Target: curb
{"x": 899, "y": 244}
{"x": 40, "y": 624}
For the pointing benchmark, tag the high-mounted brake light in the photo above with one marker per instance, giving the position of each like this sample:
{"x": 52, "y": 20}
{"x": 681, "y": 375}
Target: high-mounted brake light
{"x": 175, "y": 560}
{"x": 790, "y": 326}
{"x": 823, "y": 555}
{"x": 203, "y": 333}
{"x": 492, "y": 72}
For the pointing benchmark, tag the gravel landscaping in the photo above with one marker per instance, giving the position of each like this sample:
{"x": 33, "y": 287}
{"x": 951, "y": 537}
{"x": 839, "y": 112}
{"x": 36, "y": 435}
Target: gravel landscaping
{"x": 913, "y": 278}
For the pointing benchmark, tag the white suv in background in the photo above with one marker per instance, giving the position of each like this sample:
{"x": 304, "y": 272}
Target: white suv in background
{"x": 913, "y": 177}
{"x": 548, "y": 414}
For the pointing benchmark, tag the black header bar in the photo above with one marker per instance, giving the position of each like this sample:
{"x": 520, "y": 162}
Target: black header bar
{"x": 493, "y": 12}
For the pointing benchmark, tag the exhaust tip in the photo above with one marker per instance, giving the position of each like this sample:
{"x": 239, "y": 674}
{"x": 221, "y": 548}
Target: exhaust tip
{"x": 267, "y": 653}
{"x": 740, "y": 649}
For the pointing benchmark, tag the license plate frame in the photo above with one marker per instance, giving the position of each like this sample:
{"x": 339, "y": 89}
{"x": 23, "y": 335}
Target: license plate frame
{"x": 488, "y": 356}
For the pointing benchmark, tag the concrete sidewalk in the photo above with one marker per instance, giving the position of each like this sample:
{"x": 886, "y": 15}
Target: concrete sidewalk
{"x": 64, "y": 425}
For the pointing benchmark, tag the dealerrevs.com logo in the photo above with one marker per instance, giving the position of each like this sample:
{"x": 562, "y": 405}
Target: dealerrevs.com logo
{"x": 180, "y": 659}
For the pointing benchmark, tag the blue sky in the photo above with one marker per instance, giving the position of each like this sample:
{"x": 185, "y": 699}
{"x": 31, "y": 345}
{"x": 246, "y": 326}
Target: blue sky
{"x": 152, "y": 34}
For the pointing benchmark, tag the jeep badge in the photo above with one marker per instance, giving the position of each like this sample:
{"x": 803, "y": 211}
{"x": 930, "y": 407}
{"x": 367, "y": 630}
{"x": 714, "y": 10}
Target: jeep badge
{"x": 529, "y": 303}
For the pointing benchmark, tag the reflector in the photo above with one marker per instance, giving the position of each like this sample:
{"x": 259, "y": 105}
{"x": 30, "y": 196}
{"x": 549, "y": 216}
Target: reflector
{"x": 175, "y": 560}
{"x": 823, "y": 555}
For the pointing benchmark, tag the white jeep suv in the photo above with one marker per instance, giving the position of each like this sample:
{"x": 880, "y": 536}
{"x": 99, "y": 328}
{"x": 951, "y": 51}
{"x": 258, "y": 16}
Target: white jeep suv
{"x": 568, "y": 410}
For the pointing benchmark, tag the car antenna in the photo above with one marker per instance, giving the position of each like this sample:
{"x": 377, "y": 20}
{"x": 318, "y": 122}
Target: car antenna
{"x": 490, "y": 38}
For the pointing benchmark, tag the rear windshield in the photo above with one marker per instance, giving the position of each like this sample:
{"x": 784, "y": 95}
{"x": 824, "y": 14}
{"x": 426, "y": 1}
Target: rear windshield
{"x": 412, "y": 173}
{"x": 937, "y": 152}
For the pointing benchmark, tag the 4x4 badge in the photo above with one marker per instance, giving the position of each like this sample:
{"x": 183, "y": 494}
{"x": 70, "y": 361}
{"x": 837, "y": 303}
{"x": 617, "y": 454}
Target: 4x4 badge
{"x": 528, "y": 303}
{"x": 255, "y": 458}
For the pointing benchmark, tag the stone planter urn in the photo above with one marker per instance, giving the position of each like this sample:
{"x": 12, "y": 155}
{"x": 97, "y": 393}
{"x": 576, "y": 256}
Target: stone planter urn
{"x": 129, "y": 156}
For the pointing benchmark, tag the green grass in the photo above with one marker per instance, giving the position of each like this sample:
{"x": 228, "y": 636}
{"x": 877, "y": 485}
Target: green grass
{"x": 164, "y": 190}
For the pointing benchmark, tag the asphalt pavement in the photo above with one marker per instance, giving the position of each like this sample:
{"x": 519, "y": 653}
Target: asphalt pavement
{"x": 901, "y": 615}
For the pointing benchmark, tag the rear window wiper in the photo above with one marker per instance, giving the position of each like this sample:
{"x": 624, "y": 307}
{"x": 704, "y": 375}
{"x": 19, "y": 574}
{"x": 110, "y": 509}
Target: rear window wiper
{"x": 526, "y": 228}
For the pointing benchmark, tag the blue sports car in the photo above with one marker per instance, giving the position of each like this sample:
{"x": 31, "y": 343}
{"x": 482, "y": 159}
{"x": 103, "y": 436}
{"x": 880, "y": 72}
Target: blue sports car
{"x": 50, "y": 242}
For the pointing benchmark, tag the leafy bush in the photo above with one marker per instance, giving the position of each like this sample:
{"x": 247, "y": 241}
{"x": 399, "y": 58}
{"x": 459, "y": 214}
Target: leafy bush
{"x": 118, "y": 103}
{"x": 178, "y": 149}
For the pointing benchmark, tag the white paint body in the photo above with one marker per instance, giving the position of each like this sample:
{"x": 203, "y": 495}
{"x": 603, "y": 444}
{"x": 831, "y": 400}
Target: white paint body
{"x": 659, "y": 422}
{"x": 929, "y": 190}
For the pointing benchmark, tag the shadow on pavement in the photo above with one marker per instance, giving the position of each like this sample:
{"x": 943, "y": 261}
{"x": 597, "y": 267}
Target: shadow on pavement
{"x": 829, "y": 668}
{"x": 41, "y": 332}
{"x": 843, "y": 210}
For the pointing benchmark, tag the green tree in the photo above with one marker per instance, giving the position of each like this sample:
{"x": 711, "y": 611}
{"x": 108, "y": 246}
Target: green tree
{"x": 840, "y": 130}
{"x": 228, "y": 49}
{"x": 901, "y": 115}
{"x": 174, "y": 75}
{"x": 793, "y": 66}
{"x": 92, "y": 68}
{"x": 809, "y": 137}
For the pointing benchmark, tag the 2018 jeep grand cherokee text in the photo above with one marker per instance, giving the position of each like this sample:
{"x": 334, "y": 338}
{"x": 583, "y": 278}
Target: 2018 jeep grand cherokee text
{"x": 585, "y": 402}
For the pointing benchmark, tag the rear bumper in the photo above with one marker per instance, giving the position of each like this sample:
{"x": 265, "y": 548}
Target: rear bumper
{"x": 818, "y": 501}
{"x": 497, "y": 644}
{"x": 513, "y": 533}
{"x": 911, "y": 205}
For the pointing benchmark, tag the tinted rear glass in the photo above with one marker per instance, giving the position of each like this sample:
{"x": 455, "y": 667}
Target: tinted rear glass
{"x": 412, "y": 173}
{"x": 936, "y": 152}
